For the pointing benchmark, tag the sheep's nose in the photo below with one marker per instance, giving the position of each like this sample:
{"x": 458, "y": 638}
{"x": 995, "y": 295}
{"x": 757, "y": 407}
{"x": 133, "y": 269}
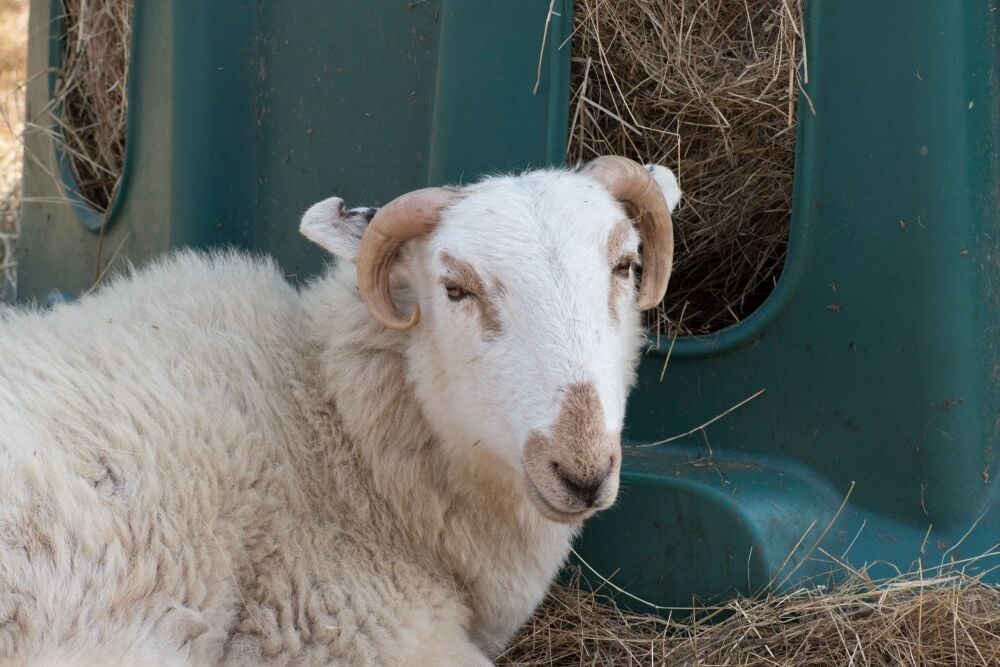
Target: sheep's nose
{"x": 586, "y": 489}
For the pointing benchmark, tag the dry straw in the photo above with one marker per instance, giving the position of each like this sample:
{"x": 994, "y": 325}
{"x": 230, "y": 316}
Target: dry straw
{"x": 938, "y": 616}
{"x": 90, "y": 100}
{"x": 707, "y": 87}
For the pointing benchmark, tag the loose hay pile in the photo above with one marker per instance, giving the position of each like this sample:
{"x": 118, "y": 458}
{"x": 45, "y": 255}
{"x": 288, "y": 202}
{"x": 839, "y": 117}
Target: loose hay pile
{"x": 90, "y": 100}
{"x": 946, "y": 619}
{"x": 707, "y": 87}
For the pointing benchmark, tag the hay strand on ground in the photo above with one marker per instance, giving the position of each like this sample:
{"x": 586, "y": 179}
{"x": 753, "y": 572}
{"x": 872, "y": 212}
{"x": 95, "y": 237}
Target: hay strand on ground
{"x": 707, "y": 87}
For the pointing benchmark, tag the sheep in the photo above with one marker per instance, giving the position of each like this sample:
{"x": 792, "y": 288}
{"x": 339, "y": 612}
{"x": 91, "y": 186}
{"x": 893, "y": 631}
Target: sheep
{"x": 200, "y": 464}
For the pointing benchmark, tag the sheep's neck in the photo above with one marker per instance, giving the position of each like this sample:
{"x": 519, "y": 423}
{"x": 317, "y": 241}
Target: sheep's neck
{"x": 478, "y": 526}
{"x": 474, "y": 525}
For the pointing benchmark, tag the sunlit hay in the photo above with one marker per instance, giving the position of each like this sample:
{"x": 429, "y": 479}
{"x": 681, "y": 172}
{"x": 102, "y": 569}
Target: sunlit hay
{"x": 708, "y": 88}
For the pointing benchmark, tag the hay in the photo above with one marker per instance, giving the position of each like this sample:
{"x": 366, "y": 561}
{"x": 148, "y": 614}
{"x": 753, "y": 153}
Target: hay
{"x": 90, "y": 96}
{"x": 13, "y": 51}
{"x": 934, "y": 617}
{"x": 707, "y": 87}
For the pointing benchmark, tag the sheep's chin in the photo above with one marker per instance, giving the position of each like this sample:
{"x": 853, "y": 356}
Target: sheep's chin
{"x": 547, "y": 510}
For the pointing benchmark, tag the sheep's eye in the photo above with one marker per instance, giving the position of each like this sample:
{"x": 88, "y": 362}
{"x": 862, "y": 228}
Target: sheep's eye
{"x": 624, "y": 268}
{"x": 455, "y": 292}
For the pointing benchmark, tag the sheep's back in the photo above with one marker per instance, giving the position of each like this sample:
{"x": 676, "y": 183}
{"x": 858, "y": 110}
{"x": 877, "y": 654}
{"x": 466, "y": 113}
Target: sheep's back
{"x": 143, "y": 438}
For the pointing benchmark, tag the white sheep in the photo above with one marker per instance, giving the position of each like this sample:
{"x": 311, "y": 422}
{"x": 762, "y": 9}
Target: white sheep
{"x": 199, "y": 464}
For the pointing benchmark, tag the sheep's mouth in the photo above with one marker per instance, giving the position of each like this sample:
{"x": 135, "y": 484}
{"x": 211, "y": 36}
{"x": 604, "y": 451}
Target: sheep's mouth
{"x": 550, "y": 511}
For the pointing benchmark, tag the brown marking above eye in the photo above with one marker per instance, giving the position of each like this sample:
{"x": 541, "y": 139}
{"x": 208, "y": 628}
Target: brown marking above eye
{"x": 463, "y": 285}
{"x": 621, "y": 264}
{"x": 619, "y": 236}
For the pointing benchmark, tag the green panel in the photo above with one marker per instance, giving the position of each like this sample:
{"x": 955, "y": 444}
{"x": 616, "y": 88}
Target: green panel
{"x": 344, "y": 106}
{"x": 500, "y": 130}
{"x": 878, "y": 351}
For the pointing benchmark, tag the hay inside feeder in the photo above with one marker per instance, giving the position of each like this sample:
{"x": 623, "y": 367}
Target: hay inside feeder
{"x": 708, "y": 88}
{"x": 90, "y": 102}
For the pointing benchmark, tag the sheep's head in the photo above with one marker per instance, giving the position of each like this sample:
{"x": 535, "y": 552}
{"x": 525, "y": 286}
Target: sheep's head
{"x": 518, "y": 297}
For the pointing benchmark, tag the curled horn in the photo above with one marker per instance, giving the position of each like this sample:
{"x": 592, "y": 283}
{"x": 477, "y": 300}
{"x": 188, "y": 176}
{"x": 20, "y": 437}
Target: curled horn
{"x": 405, "y": 217}
{"x": 629, "y": 182}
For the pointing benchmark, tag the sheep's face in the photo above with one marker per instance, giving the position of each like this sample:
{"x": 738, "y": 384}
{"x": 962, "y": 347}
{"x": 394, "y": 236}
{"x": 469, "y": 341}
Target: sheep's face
{"x": 529, "y": 331}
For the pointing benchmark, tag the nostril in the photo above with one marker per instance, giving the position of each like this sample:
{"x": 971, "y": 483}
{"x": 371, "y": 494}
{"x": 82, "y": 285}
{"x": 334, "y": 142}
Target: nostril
{"x": 585, "y": 490}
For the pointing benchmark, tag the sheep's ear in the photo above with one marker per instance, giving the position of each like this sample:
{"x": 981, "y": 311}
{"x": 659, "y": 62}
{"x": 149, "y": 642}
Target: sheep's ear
{"x": 668, "y": 184}
{"x": 336, "y": 229}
